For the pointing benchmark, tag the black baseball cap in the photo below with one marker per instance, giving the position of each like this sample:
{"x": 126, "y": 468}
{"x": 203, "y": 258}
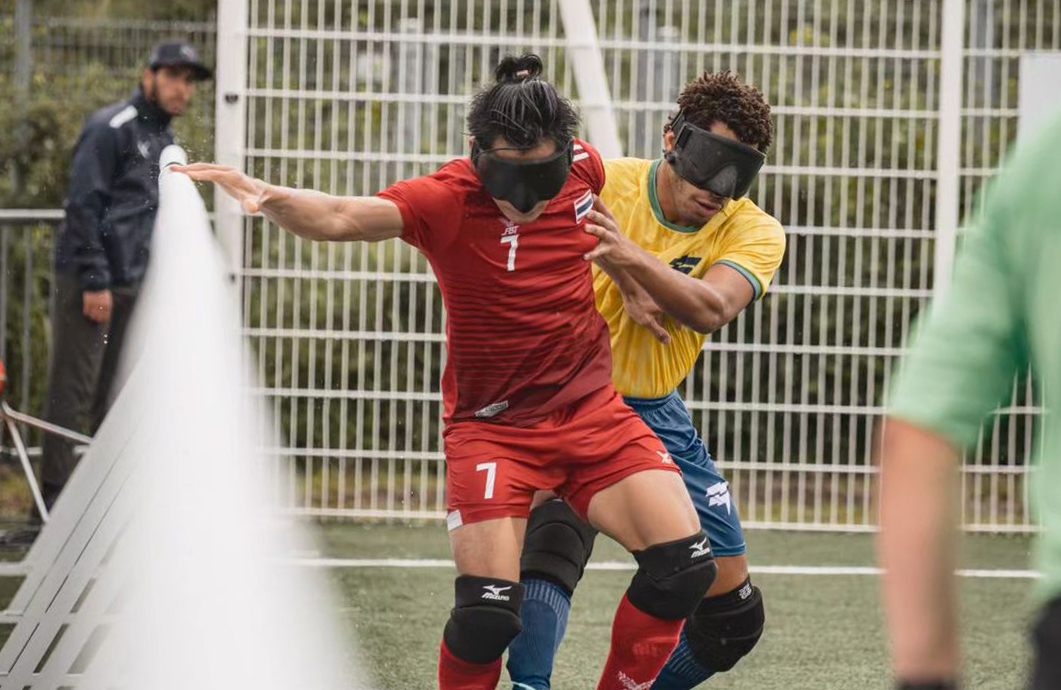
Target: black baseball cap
{"x": 179, "y": 54}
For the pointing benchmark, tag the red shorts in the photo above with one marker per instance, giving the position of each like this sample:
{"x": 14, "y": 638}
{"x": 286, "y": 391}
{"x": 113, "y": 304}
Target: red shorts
{"x": 493, "y": 470}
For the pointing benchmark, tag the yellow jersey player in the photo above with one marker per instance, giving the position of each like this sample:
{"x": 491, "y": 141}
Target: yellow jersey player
{"x": 681, "y": 253}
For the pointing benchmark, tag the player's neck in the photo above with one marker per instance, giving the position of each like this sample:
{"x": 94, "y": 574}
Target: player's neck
{"x": 665, "y": 193}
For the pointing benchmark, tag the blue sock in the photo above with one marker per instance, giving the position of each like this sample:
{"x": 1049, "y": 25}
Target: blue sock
{"x": 682, "y": 671}
{"x": 544, "y": 613}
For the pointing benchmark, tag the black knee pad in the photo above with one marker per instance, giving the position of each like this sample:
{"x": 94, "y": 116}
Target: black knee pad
{"x": 726, "y": 627}
{"x": 557, "y": 546}
{"x": 485, "y": 619}
{"x": 672, "y": 578}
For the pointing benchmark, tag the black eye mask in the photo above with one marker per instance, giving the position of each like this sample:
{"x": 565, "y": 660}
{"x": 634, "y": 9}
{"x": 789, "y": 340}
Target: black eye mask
{"x": 708, "y": 161}
{"x": 523, "y": 183}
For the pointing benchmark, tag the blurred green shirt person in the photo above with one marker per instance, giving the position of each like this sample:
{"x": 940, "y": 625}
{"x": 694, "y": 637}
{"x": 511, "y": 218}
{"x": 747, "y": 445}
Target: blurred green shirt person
{"x": 1001, "y": 315}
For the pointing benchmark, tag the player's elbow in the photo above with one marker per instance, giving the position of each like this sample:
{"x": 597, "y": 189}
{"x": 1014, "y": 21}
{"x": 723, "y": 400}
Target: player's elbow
{"x": 712, "y": 315}
{"x": 705, "y": 326}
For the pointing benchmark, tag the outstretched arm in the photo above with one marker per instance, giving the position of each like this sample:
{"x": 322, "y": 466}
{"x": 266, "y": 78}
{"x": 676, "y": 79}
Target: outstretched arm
{"x": 309, "y": 214}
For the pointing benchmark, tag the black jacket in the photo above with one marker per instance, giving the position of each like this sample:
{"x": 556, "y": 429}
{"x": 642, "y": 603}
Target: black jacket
{"x": 113, "y": 195}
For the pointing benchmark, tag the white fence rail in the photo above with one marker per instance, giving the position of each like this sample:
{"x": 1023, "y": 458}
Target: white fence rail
{"x": 350, "y": 96}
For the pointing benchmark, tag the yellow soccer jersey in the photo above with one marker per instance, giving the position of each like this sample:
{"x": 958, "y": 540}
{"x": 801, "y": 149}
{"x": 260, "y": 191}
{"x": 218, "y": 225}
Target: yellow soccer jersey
{"x": 741, "y": 235}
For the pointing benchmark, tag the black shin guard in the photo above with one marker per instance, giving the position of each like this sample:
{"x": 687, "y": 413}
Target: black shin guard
{"x": 557, "y": 546}
{"x": 485, "y": 619}
{"x": 725, "y": 628}
{"x": 672, "y": 578}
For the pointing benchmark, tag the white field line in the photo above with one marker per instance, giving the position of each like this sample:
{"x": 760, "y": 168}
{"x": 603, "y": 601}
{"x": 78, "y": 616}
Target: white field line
{"x": 621, "y": 565}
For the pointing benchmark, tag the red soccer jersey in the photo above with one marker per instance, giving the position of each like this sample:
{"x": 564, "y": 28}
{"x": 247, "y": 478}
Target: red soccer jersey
{"x": 524, "y": 334}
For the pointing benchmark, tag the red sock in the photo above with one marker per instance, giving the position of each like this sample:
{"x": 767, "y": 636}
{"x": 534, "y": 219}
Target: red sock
{"x": 641, "y": 645}
{"x": 457, "y": 674}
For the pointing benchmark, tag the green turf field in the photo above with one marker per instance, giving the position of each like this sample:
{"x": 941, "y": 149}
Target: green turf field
{"x": 823, "y": 632}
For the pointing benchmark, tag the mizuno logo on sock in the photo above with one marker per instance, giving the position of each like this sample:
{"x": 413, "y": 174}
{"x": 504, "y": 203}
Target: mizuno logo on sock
{"x": 493, "y": 592}
{"x": 700, "y": 548}
{"x": 631, "y": 684}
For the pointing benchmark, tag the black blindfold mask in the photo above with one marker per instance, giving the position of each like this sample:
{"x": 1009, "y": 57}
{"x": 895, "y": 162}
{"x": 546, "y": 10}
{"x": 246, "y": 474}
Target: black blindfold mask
{"x": 708, "y": 161}
{"x": 523, "y": 183}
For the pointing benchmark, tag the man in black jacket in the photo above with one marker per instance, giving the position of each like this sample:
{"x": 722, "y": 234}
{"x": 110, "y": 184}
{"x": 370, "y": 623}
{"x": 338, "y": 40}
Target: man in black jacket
{"x": 101, "y": 252}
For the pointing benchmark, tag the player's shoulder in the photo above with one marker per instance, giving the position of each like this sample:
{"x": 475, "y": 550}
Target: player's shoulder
{"x": 625, "y": 177}
{"x": 457, "y": 174}
{"x": 626, "y": 170}
{"x": 584, "y": 151}
{"x": 586, "y": 164}
{"x": 747, "y": 216}
{"x": 456, "y": 177}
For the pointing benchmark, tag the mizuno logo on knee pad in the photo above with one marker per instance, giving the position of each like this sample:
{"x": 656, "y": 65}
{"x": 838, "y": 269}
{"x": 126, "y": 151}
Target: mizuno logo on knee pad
{"x": 700, "y": 548}
{"x": 494, "y": 593}
{"x": 672, "y": 578}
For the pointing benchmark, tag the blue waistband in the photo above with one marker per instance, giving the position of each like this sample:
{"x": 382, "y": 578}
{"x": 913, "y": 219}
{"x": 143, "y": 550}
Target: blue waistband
{"x": 651, "y": 403}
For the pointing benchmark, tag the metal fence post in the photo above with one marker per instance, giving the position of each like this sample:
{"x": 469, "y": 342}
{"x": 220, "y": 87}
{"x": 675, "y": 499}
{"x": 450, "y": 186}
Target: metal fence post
{"x": 23, "y": 72}
{"x": 948, "y": 163}
{"x": 230, "y": 131}
{"x": 585, "y": 54}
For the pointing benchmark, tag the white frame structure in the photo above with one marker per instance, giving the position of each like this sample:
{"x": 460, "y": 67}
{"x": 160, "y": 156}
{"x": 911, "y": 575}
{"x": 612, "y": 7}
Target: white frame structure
{"x": 889, "y": 115}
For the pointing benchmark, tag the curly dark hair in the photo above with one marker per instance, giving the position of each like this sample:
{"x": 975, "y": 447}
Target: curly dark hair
{"x": 521, "y": 107}
{"x": 721, "y": 97}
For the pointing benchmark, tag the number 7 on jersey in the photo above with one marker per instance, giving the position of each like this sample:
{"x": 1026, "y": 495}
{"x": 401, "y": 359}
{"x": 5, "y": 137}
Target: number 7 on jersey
{"x": 513, "y": 241}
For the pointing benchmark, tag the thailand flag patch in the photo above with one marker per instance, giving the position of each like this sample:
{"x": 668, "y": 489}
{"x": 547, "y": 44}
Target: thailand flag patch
{"x": 583, "y": 206}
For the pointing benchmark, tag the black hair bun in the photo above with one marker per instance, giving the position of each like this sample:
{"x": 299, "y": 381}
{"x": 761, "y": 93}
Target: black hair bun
{"x": 512, "y": 70}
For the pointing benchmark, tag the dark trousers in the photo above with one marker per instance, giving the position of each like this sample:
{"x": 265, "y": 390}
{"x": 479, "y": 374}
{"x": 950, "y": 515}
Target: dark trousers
{"x": 83, "y": 366}
{"x": 1046, "y": 636}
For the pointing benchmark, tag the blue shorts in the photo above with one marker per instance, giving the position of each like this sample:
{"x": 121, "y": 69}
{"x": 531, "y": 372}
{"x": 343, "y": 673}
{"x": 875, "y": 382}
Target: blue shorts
{"x": 669, "y": 418}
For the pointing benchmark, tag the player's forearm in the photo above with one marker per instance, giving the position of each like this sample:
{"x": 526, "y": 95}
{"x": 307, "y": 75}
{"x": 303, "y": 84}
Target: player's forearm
{"x": 306, "y": 213}
{"x": 916, "y": 549}
{"x": 626, "y": 282}
{"x": 323, "y": 217}
{"x": 691, "y": 302}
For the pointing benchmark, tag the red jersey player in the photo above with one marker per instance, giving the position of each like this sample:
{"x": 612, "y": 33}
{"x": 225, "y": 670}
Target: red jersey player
{"x": 529, "y": 402}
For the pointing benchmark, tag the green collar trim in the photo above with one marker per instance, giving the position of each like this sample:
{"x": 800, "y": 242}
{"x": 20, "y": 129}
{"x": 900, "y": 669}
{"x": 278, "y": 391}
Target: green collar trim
{"x": 657, "y": 209}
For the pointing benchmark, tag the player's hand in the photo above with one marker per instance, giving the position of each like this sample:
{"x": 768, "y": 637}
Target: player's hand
{"x": 612, "y": 247}
{"x": 97, "y": 306}
{"x": 251, "y": 193}
{"x": 640, "y": 307}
